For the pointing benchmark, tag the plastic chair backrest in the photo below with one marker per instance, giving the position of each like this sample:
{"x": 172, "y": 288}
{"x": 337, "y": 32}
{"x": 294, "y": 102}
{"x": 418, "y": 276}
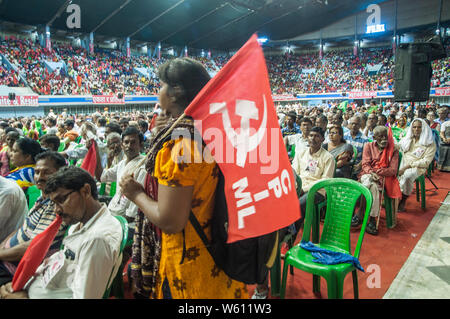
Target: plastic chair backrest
{"x": 32, "y": 194}
{"x": 355, "y": 153}
{"x": 342, "y": 195}
{"x": 397, "y": 132}
{"x": 298, "y": 183}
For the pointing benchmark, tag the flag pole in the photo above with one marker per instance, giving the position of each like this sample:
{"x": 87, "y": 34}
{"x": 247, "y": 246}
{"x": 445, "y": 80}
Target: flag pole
{"x": 381, "y": 200}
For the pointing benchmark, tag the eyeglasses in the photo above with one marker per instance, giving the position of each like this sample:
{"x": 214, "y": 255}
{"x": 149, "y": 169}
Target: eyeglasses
{"x": 63, "y": 198}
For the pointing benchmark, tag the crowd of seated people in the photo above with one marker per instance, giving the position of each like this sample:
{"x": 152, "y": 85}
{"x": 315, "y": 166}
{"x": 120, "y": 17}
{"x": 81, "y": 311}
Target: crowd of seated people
{"x": 329, "y": 142}
{"x": 107, "y": 72}
{"x": 9, "y": 77}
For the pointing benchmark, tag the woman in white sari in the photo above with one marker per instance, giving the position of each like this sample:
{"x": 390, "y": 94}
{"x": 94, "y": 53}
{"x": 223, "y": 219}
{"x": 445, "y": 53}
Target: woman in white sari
{"x": 418, "y": 148}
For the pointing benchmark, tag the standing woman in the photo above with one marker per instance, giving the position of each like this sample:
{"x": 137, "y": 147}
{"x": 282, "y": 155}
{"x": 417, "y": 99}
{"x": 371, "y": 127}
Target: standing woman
{"x": 169, "y": 260}
{"x": 23, "y": 156}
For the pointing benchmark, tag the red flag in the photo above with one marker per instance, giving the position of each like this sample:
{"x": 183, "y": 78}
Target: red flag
{"x": 90, "y": 161}
{"x": 247, "y": 145}
{"x": 34, "y": 254}
{"x": 390, "y": 182}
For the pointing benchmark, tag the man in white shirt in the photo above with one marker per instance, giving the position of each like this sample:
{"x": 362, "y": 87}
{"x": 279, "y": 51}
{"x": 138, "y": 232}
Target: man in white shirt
{"x": 13, "y": 207}
{"x": 312, "y": 164}
{"x": 132, "y": 141}
{"x": 90, "y": 254}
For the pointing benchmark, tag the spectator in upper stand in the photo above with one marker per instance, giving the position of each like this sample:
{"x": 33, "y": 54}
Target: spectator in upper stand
{"x": 356, "y": 138}
{"x": 418, "y": 148}
{"x": 312, "y": 164}
{"x": 371, "y": 124}
{"x": 40, "y": 216}
{"x": 291, "y": 125}
{"x": 372, "y": 175}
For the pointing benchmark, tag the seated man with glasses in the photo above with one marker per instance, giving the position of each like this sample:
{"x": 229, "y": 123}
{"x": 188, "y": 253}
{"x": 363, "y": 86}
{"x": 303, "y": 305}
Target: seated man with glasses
{"x": 90, "y": 253}
{"x": 36, "y": 221}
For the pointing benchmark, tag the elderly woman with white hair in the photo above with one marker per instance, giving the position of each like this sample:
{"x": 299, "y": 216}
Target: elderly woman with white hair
{"x": 418, "y": 148}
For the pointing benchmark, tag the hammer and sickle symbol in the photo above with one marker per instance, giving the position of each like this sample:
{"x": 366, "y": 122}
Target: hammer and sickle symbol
{"x": 242, "y": 141}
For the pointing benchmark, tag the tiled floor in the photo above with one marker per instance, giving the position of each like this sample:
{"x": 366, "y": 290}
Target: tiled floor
{"x": 426, "y": 273}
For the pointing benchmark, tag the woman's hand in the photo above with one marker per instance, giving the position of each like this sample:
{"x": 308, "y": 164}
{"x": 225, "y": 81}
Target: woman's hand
{"x": 130, "y": 187}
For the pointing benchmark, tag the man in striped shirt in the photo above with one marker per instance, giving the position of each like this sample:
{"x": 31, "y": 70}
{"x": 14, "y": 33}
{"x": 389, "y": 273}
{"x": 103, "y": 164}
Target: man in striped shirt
{"x": 40, "y": 216}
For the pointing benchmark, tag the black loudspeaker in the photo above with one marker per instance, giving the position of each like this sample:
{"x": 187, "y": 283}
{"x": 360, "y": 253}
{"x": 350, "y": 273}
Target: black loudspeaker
{"x": 412, "y": 73}
{"x": 12, "y": 96}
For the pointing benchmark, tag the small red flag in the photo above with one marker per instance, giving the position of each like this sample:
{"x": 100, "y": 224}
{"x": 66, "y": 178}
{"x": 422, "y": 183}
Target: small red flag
{"x": 90, "y": 161}
{"x": 34, "y": 255}
{"x": 236, "y": 116}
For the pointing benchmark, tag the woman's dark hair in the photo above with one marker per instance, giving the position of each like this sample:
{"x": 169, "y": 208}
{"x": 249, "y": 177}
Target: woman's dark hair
{"x": 185, "y": 78}
{"x": 58, "y": 160}
{"x": 340, "y": 130}
{"x": 29, "y": 146}
{"x": 131, "y": 130}
{"x": 73, "y": 178}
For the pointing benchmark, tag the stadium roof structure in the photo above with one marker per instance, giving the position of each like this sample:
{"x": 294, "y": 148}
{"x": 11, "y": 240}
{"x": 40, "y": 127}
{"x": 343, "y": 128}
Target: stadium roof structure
{"x": 206, "y": 24}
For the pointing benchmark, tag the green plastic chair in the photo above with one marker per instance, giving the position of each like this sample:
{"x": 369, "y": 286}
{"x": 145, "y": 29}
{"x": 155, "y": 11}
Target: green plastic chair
{"x": 319, "y": 206}
{"x": 397, "y": 133}
{"x": 342, "y": 195}
{"x": 275, "y": 271}
{"x": 391, "y": 220}
{"x": 420, "y": 186}
{"x": 116, "y": 287}
{"x": 32, "y": 194}
{"x": 112, "y": 189}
